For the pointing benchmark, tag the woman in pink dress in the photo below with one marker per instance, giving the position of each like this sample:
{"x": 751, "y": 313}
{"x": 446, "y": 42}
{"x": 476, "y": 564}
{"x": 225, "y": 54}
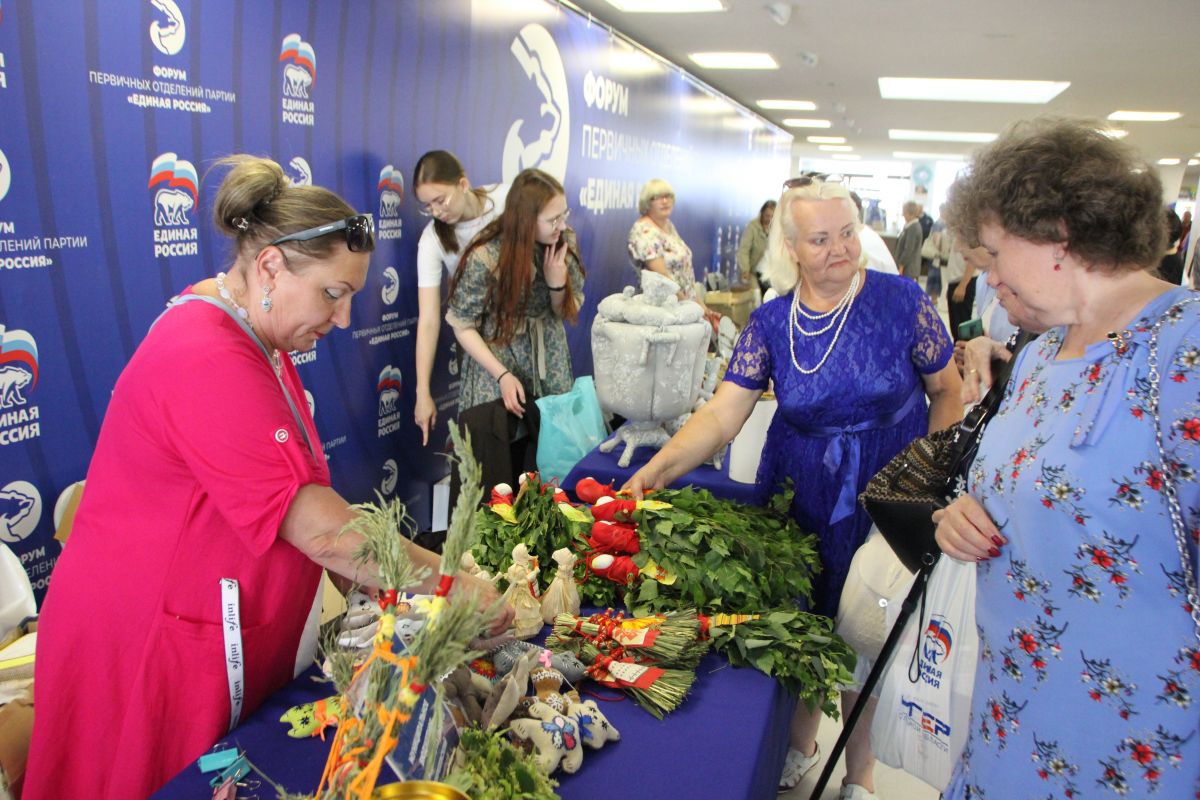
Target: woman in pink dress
{"x": 208, "y": 514}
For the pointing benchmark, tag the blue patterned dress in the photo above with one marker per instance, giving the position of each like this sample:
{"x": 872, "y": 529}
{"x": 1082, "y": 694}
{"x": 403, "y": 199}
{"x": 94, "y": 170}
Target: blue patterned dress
{"x": 837, "y": 427}
{"x": 1088, "y": 660}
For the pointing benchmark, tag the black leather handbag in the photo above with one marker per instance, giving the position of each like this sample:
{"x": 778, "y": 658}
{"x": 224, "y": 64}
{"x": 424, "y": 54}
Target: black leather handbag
{"x": 925, "y": 475}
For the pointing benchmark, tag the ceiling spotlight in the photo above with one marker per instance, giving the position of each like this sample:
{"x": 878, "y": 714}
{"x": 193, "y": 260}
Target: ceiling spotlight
{"x": 780, "y": 12}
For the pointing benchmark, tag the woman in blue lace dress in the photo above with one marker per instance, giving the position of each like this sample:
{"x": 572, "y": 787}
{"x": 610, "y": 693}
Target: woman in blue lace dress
{"x": 861, "y": 365}
{"x": 1089, "y": 644}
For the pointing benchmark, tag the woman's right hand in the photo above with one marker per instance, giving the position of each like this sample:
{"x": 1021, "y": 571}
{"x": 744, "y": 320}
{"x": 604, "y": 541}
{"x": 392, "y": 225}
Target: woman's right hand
{"x": 425, "y": 414}
{"x": 645, "y": 479}
{"x": 966, "y": 532}
{"x": 513, "y": 393}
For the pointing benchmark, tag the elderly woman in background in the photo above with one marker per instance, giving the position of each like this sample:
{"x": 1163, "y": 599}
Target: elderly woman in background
{"x": 208, "y": 507}
{"x": 1089, "y": 655}
{"x": 853, "y": 355}
{"x": 654, "y": 243}
{"x": 754, "y": 244}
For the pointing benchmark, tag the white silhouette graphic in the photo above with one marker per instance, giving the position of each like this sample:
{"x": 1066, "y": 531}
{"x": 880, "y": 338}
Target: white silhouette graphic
{"x": 389, "y": 203}
{"x": 169, "y": 35}
{"x": 390, "y": 476}
{"x": 300, "y": 173}
{"x": 391, "y": 285}
{"x": 171, "y": 207}
{"x": 5, "y": 175}
{"x": 20, "y": 511}
{"x": 538, "y": 55}
{"x": 387, "y": 401}
{"x": 12, "y": 381}
{"x": 296, "y": 80}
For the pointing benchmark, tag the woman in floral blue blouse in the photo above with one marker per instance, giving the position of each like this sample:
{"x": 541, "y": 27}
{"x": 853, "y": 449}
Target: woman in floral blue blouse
{"x": 1089, "y": 645}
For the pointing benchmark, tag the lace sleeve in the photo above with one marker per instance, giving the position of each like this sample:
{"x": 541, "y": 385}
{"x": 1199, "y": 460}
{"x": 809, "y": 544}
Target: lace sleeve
{"x": 750, "y": 365}
{"x": 932, "y": 347}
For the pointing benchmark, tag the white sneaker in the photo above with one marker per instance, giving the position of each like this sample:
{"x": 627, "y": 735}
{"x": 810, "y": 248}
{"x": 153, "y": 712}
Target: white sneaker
{"x": 795, "y": 767}
{"x": 852, "y": 791}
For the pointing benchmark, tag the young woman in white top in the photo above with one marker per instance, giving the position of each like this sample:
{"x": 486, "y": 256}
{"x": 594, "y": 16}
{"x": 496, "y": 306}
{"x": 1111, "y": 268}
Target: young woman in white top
{"x": 459, "y": 212}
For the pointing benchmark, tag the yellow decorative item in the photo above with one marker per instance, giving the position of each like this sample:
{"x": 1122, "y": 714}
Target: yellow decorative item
{"x": 418, "y": 790}
{"x": 310, "y": 719}
{"x": 570, "y": 512}
{"x": 656, "y": 573}
{"x": 652, "y": 505}
{"x": 505, "y": 512}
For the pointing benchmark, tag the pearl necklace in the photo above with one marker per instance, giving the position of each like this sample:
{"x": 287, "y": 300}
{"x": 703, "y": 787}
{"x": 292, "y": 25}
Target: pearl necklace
{"x": 838, "y": 314}
{"x": 227, "y": 296}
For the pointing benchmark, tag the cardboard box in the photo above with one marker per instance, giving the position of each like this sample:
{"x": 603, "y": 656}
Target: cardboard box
{"x": 736, "y": 305}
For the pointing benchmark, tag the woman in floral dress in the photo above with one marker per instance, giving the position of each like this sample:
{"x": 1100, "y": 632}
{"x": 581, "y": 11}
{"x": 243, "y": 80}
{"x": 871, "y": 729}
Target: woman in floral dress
{"x": 1088, "y": 640}
{"x": 516, "y": 283}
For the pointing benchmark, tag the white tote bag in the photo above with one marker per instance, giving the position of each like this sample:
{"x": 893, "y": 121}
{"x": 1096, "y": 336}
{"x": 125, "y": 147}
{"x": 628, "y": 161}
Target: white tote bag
{"x": 924, "y": 709}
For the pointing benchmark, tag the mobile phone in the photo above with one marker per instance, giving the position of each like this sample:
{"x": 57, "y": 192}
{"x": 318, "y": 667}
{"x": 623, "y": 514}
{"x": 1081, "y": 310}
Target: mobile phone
{"x": 971, "y": 329}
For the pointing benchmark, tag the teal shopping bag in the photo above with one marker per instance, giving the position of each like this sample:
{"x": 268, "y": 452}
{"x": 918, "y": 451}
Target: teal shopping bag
{"x": 572, "y": 425}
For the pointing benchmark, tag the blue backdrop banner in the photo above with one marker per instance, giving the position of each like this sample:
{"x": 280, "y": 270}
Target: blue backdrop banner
{"x": 113, "y": 111}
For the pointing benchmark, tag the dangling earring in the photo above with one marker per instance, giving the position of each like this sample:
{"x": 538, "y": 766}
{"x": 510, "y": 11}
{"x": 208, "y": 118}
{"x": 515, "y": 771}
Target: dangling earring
{"x": 267, "y": 303}
{"x": 1057, "y": 267}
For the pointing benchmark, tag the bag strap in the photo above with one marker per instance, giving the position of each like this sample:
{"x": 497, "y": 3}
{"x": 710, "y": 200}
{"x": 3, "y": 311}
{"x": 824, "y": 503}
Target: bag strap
{"x": 1168, "y": 468}
{"x": 179, "y": 300}
{"x": 969, "y": 431}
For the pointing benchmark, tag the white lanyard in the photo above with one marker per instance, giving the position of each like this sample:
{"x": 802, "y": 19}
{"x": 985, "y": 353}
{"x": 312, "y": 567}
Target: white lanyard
{"x": 235, "y": 664}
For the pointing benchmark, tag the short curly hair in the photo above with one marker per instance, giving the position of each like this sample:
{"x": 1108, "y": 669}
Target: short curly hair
{"x": 1052, "y": 180}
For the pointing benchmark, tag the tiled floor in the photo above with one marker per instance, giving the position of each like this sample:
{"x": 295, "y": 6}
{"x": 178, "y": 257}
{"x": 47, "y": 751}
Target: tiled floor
{"x": 890, "y": 784}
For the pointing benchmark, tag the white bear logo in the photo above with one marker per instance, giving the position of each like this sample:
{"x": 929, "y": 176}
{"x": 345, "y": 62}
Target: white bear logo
{"x": 296, "y": 80}
{"x": 171, "y": 207}
{"x": 5, "y": 175}
{"x": 390, "y": 476}
{"x": 389, "y": 203}
{"x": 12, "y": 381}
{"x": 387, "y": 401}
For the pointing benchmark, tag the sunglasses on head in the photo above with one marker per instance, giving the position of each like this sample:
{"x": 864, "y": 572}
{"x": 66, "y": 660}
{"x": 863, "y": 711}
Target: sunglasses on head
{"x": 359, "y": 232}
{"x": 810, "y": 178}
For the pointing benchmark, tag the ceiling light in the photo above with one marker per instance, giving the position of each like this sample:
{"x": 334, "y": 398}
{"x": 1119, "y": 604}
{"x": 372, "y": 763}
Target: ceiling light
{"x": 1168, "y": 162}
{"x": 908, "y": 155}
{"x": 734, "y": 60}
{"x": 970, "y": 90}
{"x": 1193, "y": 162}
{"x": 827, "y": 139}
{"x": 796, "y": 122}
{"x": 666, "y": 6}
{"x": 787, "y": 105}
{"x": 780, "y": 12}
{"x": 1144, "y": 116}
{"x": 1114, "y": 133}
{"x": 939, "y": 136}
{"x": 836, "y": 148}
{"x": 847, "y": 156}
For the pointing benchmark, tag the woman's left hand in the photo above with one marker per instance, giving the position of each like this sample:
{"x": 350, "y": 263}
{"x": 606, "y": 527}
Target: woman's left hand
{"x": 554, "y": 268}
{"x": 966, "y": 532}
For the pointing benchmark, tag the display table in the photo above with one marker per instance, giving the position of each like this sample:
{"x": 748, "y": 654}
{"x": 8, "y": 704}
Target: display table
{"x": 604, "y": 468}
{"x": 728, "y": 740}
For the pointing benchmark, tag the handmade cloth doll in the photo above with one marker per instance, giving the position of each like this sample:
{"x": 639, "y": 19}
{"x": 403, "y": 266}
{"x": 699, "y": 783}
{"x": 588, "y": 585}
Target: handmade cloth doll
{"x": 467, "y": 562}
{"x": 523, "y": 593}
{"x": 554, "y": 737}
{"x": 562, "y": 597}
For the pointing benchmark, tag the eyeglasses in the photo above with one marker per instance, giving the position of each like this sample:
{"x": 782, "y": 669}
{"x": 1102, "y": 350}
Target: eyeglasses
{"x": 359, "y": 231}
{"x": 561, "y": 219}
{"x": 662, "y": 197}
{"x": 442, "y": 203}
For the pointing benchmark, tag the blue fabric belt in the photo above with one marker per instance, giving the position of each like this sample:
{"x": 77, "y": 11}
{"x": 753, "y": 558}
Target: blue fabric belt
{"x": 843, "y": 453}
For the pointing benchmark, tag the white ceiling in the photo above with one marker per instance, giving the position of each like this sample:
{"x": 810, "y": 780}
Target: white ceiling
{"x": 1117, "y": 54}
